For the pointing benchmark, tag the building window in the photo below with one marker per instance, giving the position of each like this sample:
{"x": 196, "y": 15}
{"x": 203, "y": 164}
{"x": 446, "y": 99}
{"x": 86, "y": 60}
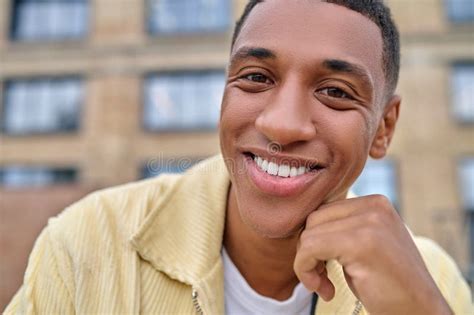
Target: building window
{"x": 460, "y": 10}
{"x": 39, "y": 20}
{"x": 466, "y": 176}
{"x": 20, "y": 177}
{"x": 184, "y": 16}
{"x": 183, "y": 101}
{"x": 41, "y": 106}
{"x": 462, "y": 82}
{"x": 378, "y": 177}
{"x": 157, "y": 166}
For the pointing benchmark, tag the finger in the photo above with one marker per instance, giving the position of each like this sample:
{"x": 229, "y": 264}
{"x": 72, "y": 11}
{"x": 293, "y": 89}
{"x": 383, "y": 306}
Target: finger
{"x": 317, "y": 280}
{"x": 343, "y": 225}
{"x": 344, "y": 208}
{"x": 316, "y": 247}
{"x": 313, "y": 251}
{"x": 333, "y": 211}
{"x": 327, "y": 289}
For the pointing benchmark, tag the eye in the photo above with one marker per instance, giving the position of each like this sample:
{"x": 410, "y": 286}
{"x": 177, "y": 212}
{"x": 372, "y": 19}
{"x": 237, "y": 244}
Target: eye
{"x": 335, "y": 92}
{"x": 257, "y": 78}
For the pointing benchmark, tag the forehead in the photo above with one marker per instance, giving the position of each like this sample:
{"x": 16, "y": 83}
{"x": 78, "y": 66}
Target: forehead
{"x": 310, "y": 30}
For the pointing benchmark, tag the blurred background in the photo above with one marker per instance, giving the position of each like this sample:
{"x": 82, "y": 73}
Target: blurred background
{"x": 96, "y": 93}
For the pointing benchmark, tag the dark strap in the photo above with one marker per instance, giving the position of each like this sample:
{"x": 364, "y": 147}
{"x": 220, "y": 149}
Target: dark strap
{"x": 314, "y": 301}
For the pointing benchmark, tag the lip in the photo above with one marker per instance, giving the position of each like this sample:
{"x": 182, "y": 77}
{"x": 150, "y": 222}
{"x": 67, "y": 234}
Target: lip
{"x": 275, "y": 185}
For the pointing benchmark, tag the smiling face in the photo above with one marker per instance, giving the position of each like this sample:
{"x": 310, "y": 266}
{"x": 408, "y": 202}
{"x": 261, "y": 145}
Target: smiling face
{"x": 303, "y": 108}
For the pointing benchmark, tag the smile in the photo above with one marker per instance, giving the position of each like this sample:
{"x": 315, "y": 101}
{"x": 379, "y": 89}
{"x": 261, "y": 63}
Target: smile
{"x": 281, "y": 177}
{"x": 282, "y": 170}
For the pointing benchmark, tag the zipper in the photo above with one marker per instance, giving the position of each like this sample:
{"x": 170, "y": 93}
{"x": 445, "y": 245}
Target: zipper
{"x": 196, "y": 302}
{"x": 358, "y": 308}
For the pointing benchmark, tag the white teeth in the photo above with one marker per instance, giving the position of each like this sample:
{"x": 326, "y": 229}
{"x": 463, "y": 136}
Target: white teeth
{"x": 301, "y": 170}
{"x": 293, "y": 172}
{"x": 272, "y": 168}
{"x": 282, "y": 170}
{"x": 264, "y": 166}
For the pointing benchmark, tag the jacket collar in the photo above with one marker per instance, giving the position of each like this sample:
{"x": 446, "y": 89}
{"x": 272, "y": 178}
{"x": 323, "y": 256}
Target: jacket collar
{"x": 182, "y": 235}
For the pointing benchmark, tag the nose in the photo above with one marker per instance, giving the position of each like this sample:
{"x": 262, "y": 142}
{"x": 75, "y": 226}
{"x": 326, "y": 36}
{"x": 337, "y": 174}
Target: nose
{"x": 286, "y": 119}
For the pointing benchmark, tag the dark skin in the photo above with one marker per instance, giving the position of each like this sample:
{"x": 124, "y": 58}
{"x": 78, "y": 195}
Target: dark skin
{"x": 309, "y": 76}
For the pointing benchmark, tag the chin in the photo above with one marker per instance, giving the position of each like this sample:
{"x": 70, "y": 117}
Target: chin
{"x": 274, "y": 221}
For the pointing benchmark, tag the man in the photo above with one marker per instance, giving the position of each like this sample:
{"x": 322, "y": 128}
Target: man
{"x": 309, "y": 96}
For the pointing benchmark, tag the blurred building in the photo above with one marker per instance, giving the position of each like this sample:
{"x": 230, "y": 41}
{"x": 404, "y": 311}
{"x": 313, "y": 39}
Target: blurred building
{"x": 95, "y": 93}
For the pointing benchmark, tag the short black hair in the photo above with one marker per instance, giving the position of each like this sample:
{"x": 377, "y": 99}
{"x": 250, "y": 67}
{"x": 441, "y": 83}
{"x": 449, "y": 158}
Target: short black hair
{"x": 378, "y": 13}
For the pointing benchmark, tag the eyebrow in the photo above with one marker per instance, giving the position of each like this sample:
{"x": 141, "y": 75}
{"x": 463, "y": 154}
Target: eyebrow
{"x": 252, "y": 52}
{"x": 335, "y": 65}
{"x": 342, "y": 66}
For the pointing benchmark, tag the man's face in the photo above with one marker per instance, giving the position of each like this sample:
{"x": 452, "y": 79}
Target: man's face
{"x": 304, "y": 90}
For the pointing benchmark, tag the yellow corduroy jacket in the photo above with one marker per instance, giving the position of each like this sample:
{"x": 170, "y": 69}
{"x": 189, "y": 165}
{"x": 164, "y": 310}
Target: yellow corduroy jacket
{"x": 153, "y": 247}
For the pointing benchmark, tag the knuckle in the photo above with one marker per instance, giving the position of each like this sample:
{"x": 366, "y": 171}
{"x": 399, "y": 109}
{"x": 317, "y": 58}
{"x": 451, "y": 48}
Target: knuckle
{"x": 382, "y": 208}
{"x": 369, "y": 238}
{"x": 304, "y": 236}
{"x": 375, "y": 218}
{"x": 380, "y": 201}
{"x": 308, "y": 241}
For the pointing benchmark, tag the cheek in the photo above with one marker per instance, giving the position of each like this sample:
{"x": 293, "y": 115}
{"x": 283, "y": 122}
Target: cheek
{"x": 226, "y": 123}
{"x": 349, "y": 132}
{"x": 349, "y": 142}
{"x": 231, "y": 123}
{"x": 238, "y": 112}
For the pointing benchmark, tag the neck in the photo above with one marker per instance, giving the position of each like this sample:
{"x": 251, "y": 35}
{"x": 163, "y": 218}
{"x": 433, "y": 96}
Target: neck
{"x": 266, "y": 264}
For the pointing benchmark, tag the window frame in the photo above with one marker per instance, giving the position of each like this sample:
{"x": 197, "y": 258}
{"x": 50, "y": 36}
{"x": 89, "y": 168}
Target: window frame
{"x": 468, "y": 158}
{"x": 14, "y": 38}
{"x": 59, "y": 77}
{"x": 183, "y": 33}
{"x": 452, "y": 91}
{"x": 175, "y": 129}
{"x": 468, "y": 213}
{"x": 452, "y": 18}
{"x": 144, "y": 168}
{"x": 75, "y": 172}
{"x": 395, "y": 164}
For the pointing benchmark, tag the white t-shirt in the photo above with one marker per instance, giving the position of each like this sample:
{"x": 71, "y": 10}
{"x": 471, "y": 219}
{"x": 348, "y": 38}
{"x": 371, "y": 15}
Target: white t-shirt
{"x": 241, "y": 299}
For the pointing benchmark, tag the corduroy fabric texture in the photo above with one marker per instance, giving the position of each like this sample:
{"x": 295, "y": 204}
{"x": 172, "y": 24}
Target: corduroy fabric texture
{"x": 153, "y": 247}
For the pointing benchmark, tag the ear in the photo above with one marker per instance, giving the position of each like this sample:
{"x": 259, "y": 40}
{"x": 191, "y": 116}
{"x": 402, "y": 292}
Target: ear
{"x": 386, "y": 128}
